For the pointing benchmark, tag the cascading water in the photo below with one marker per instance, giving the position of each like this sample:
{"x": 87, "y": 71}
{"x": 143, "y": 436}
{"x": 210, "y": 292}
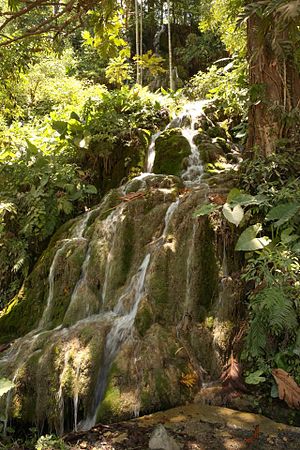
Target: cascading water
{"x": 110, "y": 231}
{"x": 115, "y": 295}
{"x": 187, "y": 122}
{"x": 77, "y": 236}
{"x": 151, "y": 152}
{"x": 119, "y": 332}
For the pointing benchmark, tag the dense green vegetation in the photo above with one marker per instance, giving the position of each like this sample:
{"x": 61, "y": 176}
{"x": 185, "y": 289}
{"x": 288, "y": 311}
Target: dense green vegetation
{"x": 83, "y": 87}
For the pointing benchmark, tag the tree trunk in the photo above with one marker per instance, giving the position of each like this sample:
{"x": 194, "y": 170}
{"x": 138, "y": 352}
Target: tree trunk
{"x": 275, "y": 88}
{"x": 141, "y": 41}
{"x": 137, "y": 41}
{"x": 172, "y": 86}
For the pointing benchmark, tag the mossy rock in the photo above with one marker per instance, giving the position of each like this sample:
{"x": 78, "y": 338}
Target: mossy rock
{"x": 171, "y": 148}
{"x": 144, "y": 318}
{"x": 209, "y": 152}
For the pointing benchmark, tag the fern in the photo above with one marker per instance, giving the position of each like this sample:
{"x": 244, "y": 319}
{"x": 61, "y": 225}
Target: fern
{"x": 272, "y": 314}
{"x": 275, "y": 309}
{"x": 257, "y": 337}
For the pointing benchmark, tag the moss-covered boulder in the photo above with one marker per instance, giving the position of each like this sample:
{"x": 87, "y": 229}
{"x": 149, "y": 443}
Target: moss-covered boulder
{"x": 171, "y": 149}
{"x": 124, "y": 311}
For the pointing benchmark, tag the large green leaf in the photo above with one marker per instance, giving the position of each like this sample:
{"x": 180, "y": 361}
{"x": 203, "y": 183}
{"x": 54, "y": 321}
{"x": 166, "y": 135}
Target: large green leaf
{"x": 5, "y": 386}
{"x": 283, "y": 213}
{"x": 234, "y": 215}
{"x": 206, "y": 209}
{"x": 248, "y": 240}
{"x": 60, "y": 126}
{"x": 237, "y": 197}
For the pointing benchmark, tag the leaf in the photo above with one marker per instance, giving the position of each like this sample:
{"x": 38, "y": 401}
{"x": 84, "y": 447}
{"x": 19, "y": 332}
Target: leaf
{"x": 7, "y": 154}
{"x": 60, "y": 126}
{"x": 234, "y": 215}
{"x": 5, "y": 386}
{"x": 288, "y": 389}
{"x": 204, "y": 210}
{"x": 236, "y": 197}
{"x": 287, "y": 236}
{"x": 232, "y": 376}
{"x": 255, "y": 377}
{"x": 248, "y": 240}
{"x": 283, "y": 213}
{"x": 189, "y": 380}
{"x": 90, "y": 189}
{"x": 64, "y": 205}
{"x": 74, "y": 116}
{"x": 218, "y": 199}
{"x": 32, "y": 149}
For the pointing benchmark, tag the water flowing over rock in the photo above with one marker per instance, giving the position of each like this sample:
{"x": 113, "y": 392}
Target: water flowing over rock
{"x": 185, "y": 123}
{"x": 122, "y": 305}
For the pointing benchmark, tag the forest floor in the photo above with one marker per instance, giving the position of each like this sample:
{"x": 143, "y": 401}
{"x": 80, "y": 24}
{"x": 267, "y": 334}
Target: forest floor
{"x": 193, "y": 427}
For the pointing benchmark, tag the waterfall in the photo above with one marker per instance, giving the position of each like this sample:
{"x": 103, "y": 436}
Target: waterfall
{"x": 77, "y": 236}
{"x": 169, "y": 214}
{"x": 191, "y": 112}
{"x": 151, "y": 152}
{"x": 119, "y": 332}
{"x": 8, "y": 403}
{"x": 60, "y": 396}
{"x": 106, "y": 292}
{"x": 110, "y": 228}
{"x": 76, "y": 393}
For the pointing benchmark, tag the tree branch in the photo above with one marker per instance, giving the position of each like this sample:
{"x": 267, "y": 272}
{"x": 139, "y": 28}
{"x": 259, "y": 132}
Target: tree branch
{"x": 72, "y": 10}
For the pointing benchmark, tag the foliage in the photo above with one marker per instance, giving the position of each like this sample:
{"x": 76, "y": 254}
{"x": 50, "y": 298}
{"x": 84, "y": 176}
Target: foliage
{"x": 40, "y": 189}
{"x": 44, "y": 86}
{"x": 272, "y": 267}
{"x": 50, "y": 442}
{"x": 118, "y": 71}
{"x": 107, "y": 35}
{"x": 226, "y": 85}
{"x": 274, "y": 327}
{"x": 200, "y": 49}
{"x": 151, "y": 63}
{"x": 113, "y": 116}
{"x": 222, "y": 16}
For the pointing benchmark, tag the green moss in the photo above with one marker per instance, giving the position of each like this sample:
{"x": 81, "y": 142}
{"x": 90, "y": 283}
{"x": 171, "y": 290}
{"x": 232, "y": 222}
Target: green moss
{"x": 144, "y": 319}
{"x": 23, "y": 313}
{"x": 207, "y": 286}
{"x": 162, "y": 386}
{"x": 111, "y": 405}
{"x": 128, "y": 248}
{"x": 146, "y": 401}
{"x": 209, "y": 322}
{"x": 171, "y": 149}
{"x": 110, "y": 202}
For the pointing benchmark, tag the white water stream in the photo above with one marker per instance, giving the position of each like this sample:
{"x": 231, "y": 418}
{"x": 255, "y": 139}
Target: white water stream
{"x": 191, "y": 112}
{"x": 120, "y": 331}
{"x": 77, "y": 236}
{"x": 123, "y": 314}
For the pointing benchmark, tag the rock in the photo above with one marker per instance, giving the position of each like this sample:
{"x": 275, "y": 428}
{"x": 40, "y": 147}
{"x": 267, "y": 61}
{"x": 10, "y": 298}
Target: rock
{"x": 160, "y": 440}
{"x": 171, "y": 149}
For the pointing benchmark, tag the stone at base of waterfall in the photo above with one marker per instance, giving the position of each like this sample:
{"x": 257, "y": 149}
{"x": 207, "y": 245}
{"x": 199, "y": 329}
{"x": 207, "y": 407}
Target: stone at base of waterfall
{"x": 160, "y": 440}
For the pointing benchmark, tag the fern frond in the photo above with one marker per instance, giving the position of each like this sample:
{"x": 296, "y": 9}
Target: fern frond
{"x": 275, "y": 310}
{"x": 257, "y": 337}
